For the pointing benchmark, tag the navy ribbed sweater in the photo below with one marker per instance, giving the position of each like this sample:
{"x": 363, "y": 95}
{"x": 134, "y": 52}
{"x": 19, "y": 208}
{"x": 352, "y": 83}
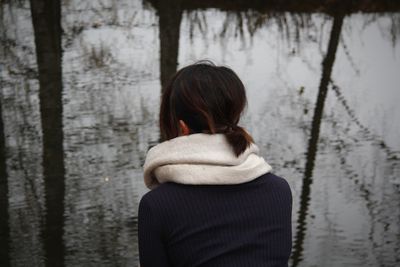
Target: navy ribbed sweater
{"x": 247, "y": 224}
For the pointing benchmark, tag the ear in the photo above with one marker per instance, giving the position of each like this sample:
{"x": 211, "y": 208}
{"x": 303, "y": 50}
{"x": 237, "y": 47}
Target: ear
{"x": 184, "y": 128}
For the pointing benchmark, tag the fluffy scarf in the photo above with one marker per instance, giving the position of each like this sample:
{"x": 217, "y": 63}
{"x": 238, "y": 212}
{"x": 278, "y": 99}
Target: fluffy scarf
{"x": 202, "y": 159}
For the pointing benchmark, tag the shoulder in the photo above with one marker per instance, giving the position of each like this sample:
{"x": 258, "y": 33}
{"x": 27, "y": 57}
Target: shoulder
{"x": 159, "y": 204}
{"x": 158, "y": 196}
{"x": 277, "y": 180}
{"x": 276, "y": 183}
{"x": 161, "y": 191}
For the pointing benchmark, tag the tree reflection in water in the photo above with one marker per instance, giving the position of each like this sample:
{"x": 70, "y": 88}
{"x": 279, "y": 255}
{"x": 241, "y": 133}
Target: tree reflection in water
{"x": 110, "y": 121}
{"x": 46, "y": 19}
{"x": 327, "y": 66}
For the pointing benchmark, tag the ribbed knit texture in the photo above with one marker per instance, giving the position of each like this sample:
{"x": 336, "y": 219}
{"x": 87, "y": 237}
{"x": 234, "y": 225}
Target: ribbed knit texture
{"x": 246, "y": 224}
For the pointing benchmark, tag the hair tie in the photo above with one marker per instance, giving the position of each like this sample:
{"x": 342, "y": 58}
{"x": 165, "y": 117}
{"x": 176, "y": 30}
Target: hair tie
{"x": 232, "y": 127}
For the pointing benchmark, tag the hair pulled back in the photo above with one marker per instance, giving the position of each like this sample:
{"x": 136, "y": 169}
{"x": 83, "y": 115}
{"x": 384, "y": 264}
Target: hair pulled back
{"x": 209, "y": 99}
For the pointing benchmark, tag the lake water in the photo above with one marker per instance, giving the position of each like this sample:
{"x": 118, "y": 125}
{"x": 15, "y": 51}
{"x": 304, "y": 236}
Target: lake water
{"x": 331, "y": 129}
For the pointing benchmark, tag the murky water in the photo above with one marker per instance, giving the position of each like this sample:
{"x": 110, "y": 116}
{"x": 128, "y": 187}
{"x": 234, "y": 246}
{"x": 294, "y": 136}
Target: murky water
{"x": 331, "y": 129}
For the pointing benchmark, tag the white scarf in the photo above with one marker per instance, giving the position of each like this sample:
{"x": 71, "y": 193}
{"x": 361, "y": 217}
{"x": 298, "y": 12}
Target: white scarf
{"x": 206, "y": 159}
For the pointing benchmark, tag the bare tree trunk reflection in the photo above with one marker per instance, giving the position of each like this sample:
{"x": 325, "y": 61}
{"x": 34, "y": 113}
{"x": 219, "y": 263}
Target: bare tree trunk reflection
{"x": 327, "y": 66}
{"x": 46, "y": 16}
{"x": 4, "y": 216}
{"x": 170, "y": 16}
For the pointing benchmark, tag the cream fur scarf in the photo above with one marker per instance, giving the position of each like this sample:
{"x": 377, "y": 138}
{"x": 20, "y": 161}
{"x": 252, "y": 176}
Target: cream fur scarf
{"x": 206, "y": 159}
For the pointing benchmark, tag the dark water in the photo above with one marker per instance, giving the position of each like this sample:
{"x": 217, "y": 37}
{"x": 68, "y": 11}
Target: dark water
{"x": 323, "y": 107}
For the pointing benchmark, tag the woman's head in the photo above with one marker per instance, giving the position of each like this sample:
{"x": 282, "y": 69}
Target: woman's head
{"x": 208, "y": 99}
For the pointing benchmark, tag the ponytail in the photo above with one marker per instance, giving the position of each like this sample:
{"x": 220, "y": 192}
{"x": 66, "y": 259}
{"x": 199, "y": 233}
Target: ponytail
{"x": 238, "y": 138}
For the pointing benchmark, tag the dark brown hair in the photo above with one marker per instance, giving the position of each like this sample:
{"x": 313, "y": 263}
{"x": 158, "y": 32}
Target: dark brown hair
{"x": 209, "y": 99}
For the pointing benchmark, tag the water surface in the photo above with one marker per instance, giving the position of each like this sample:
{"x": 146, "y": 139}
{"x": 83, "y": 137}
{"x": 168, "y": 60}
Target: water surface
{"x": 331, "y": 129}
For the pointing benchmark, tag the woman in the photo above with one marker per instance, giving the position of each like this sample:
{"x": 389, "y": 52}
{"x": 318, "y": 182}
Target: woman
{"x": 214, "y": 200}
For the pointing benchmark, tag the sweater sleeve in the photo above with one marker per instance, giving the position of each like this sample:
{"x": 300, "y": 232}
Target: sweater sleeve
{"x": 152, "y": 251}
